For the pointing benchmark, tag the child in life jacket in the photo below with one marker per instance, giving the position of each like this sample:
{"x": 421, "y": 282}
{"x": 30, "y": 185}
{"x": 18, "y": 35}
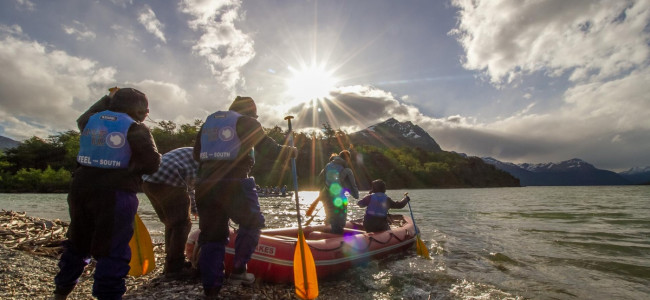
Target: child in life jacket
{"x": 377, "y": 204}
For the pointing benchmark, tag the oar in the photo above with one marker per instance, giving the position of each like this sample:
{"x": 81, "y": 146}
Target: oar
{"x": 420, "y": 247}
{"x": 143, "y": 260}
{"x": 313, "y": 205}
{"x": 312, "y": 217}
{"x": 304, "y": 267}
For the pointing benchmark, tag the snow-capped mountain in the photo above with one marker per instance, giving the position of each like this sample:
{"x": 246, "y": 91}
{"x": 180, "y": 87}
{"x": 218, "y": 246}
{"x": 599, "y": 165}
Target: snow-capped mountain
{"x": 637, "y": 175}
{"x": 392, "y": 133}
{"x": 569, "y": 172}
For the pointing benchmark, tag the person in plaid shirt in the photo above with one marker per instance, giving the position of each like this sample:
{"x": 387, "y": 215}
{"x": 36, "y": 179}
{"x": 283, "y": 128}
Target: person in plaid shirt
{"x": 171, "y": 191}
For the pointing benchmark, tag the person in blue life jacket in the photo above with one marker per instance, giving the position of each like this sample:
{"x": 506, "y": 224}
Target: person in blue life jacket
{"x": 116, "y": 149}
{"x": 377, "y": 205}
{"x": 226, "y": 147}
{"x": 337, "y": 179}
{"x": 171, "y": 193}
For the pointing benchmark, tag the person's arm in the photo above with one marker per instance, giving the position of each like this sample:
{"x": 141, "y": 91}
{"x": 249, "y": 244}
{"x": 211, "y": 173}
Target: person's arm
{"x": 101, "y": 105}
{"x": 197, "y": 146}
{"x": 253, "y": 135}
{"x": 145, "y": 158}
{"x": 348, "y": 179}
{"x": 399, "y": 204}
{"x": 365, "y": 201}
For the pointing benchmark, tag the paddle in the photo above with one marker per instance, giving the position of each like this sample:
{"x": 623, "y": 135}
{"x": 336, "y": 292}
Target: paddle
{"x": 143, "y": 260}
{"x": 420, "y": 247}
{"x": 304, "y": 267}
{"x": 313, "y": 205}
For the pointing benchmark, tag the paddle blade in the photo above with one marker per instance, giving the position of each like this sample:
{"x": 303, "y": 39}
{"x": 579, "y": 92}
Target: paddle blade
{"x": 143, "y": 260}
{"x": 311, "y": 208}
{"x": 421, "y": 248}
{"x": 304, "y": 270}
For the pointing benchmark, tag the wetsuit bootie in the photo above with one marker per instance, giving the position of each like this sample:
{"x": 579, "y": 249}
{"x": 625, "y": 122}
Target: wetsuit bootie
{"x": 243, "y": 278}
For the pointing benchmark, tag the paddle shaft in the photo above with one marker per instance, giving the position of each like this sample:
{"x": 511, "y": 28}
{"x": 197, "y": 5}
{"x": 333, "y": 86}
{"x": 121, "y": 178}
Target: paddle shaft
{"x": 295, "y": 193}
{"x": 417, "y": 231}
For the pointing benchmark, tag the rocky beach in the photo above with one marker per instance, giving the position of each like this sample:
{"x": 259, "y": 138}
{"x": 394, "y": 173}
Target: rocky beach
{"x": 29, "y": 251}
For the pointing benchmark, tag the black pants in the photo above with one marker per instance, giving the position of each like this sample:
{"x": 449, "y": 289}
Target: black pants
{"x": 172, "y": 205}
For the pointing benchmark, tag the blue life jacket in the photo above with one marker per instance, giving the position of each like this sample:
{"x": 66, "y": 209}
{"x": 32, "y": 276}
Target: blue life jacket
{"x": 219, "y": 139}
{"x": 333, "y": 173}
{"x": 378, "y": 206}
{"x": 103, "y": 142}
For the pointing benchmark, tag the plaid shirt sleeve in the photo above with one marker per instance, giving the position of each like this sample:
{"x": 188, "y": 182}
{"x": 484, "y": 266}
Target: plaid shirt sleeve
{"x": 177, "y": 168}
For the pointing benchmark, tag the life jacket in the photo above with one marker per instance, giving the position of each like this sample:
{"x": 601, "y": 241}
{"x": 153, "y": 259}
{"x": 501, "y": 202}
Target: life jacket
{"x": 378, "y": 206}
{"x": 219, "y": 139}
{"x": 333, "y": 173}
{"x": 103, "y": 142}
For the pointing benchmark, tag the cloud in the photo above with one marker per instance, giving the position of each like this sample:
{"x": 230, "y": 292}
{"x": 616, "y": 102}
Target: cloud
{"x": 168, "y": 101}
{"x": 225, "y": 47}
{"x": 590, "y": 40}
{"x": 25, "y": 4}
{"x": 148, "y": 18}
{"x": 79, "y": 30}
{"x": 43, "y": 88}
{"x": 600, "y": 47}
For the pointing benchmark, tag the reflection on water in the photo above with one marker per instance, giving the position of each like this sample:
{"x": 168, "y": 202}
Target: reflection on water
{"x": 507, "y": 243}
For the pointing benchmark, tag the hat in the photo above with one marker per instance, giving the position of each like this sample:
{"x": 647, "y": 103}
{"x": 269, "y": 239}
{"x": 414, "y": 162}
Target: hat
{"x": 245, "y": 106}
{"x": 130, "y": 101}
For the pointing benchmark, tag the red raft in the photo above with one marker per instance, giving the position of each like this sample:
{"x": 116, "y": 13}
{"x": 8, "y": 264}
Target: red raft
{"x": 333, "y": 253}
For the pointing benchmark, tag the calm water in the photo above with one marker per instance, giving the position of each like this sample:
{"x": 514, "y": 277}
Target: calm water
{"x": 506, "y": 243}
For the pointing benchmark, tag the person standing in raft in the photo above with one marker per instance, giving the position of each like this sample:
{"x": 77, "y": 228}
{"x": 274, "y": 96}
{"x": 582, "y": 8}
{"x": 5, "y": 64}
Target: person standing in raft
{"x": 225, "y": 148}
{"x": 377, "y": 205}
{"x": 116, "y": 149}
{"x": 338, "y": 179}
{"x": 170, "y": 191}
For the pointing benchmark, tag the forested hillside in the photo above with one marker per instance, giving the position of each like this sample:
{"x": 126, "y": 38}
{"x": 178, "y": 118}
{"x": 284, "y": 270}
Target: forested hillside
{"x": 46, "y": 165}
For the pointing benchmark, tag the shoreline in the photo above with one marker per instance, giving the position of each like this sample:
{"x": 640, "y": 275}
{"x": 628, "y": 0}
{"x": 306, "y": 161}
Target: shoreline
{"x": 29, "y": 251}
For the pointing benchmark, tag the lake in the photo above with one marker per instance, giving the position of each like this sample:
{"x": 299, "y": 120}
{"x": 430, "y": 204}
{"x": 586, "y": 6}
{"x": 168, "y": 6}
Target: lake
{"x": 497, "y": 243}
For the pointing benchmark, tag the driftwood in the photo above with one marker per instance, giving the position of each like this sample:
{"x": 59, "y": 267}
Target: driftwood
{"x": 30, "y": 234}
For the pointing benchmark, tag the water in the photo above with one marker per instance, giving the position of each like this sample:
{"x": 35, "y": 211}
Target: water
{"x": 502, "y": 243}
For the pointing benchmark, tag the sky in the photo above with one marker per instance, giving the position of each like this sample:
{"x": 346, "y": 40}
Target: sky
{"x": 521, "y": 81}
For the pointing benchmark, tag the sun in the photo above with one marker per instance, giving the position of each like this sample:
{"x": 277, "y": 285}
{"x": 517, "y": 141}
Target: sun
{"x": 310, "y": 83}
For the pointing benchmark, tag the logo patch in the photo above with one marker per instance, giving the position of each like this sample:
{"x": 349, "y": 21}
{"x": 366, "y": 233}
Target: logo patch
{"x": 115, "y": 140}
{"x": 226, "y": 133}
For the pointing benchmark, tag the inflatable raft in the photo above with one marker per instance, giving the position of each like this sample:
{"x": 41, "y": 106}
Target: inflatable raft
{"x": 333, "y": 253}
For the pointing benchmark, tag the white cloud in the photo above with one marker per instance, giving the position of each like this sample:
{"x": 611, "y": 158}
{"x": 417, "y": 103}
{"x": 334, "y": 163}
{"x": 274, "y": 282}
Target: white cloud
{"x": 590, "y": 40}
{"x": 25, "y": 4}
{"x": 148, "y": 18}
{"x": 168, "y": 101}
{"x": 224, "y": 46}
{"x": 79, "y": 30}
{"x": 45, "y": 88}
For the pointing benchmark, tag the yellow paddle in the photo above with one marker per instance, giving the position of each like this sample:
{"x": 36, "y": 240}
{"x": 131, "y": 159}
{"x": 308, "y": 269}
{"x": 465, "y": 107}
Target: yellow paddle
{"x": 304, "y": 267}
{"x": 143, "y": 260}
{"x": 420, "y": 247}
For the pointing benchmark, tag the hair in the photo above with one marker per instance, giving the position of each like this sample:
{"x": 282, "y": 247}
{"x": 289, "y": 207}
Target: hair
{"x": 245, "y": 106}
{"x": 130, "y": 101}
{"x": 378, "y": 186}
{"x": 332, "y": 156}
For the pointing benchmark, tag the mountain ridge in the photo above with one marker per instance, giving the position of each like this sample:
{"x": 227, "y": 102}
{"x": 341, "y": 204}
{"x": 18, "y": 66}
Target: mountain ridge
{"x": 7, "y": 143}
{"x": 574, "y": 172}
{"x": 393, "y": 133}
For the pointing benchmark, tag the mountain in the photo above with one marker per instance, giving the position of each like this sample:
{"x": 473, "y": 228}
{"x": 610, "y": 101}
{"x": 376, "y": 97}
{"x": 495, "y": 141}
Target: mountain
{"x": 6, "y": 143}
{"x": 637, "y": 175}
{"x": 392, "y": 133}
{"x": 573, "y": 172}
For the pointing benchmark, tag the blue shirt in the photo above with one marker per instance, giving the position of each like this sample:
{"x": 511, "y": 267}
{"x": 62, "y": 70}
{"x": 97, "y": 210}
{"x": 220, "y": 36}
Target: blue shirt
{"x": 177, "y": 168}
